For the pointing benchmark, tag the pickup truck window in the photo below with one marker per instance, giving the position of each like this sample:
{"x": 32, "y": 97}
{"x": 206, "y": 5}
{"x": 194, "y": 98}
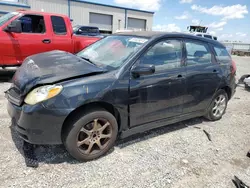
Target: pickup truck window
{"x": 59, "y": 26}
{"x": 7, "y": 17}
{"x": 32, "y": 24}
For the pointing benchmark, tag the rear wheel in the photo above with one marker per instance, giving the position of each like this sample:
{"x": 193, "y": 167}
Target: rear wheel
{"x": 91, "y": 135}
{"x": 218, "y": 106}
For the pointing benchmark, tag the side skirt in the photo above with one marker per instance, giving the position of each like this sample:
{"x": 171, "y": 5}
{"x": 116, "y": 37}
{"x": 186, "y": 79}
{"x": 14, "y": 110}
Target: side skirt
{"x": 159, "y": 123}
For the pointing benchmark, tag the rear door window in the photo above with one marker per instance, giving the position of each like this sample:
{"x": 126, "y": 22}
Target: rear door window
{"x": 222, "y": 54}
{"x": 59, "y": 26}
{"x": 197, "y": 53}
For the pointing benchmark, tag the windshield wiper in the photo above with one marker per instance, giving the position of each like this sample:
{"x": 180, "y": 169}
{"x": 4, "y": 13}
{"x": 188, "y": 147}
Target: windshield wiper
{"x": 87, "y": 59}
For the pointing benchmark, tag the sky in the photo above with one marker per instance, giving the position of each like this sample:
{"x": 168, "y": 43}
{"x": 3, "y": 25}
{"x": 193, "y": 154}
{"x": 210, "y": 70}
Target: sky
{"x": 227, "y": 19}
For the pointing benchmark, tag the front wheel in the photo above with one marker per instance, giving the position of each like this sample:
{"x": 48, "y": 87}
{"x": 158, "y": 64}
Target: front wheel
{"x": 91, "y": 135}
{"x": 218, "y": 106}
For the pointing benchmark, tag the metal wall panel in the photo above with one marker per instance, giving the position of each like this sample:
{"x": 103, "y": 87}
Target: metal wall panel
{"x": 53, "y": 6}
{"x": 6, "y": 8}
{"x": 141, "y": 15}
{"x": 80, "y": 13}
{"x": 134, "y": 23}
{"x": 103, "y": 21}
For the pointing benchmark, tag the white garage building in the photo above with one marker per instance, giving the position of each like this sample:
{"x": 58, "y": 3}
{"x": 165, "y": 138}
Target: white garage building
{"x": 107, "y": 17}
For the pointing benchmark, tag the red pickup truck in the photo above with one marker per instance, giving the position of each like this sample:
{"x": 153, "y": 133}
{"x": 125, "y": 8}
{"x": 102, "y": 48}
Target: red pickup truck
{"x": 24, "y": 33}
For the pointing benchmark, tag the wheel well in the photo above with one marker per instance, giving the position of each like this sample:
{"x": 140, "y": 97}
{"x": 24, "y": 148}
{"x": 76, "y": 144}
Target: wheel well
{"x": 91, "y": 106}
{"x": 228, "y": 91}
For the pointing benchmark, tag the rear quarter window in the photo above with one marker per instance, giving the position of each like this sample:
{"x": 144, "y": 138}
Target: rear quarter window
{"x": 59, "y": 26}
{"x": 222, "y": 54}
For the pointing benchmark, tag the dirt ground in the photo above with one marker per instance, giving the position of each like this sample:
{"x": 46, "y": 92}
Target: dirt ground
{"x": 178, "y": 155}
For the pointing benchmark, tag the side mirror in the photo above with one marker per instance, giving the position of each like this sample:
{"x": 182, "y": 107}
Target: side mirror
{"x": 146, "y": 69}
{"x": 79, "y": 31}
{"x": 15, "y": 27}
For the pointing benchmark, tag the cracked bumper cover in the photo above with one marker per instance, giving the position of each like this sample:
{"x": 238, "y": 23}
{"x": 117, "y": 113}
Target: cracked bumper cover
{"x": 36, "y": 124}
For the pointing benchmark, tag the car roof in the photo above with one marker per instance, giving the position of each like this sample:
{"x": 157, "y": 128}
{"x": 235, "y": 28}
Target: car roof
{"x": 158, "y": 34}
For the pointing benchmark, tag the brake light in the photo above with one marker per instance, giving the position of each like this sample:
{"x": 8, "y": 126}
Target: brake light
{"x": 233, "y": 69}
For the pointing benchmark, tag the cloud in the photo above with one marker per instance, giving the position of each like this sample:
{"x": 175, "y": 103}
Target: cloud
{"x": 241, "y": 34}
{"x": 212, "y": 32}
{"x": 186, "y": 1}
{"x": 226, "y": 36}
{"x": 184, "y": 16}
{"x": 229, "y": 12}
{"x": 217, "y": 24}
{"x": 220, "y": 29}
{"x": 168, "y": 28}
{"x": 151, "y": 5}
{"x": 195, "y": 22}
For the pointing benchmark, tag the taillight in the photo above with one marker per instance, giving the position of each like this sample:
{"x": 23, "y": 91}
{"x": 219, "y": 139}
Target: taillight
{"x": 233, "y": 69}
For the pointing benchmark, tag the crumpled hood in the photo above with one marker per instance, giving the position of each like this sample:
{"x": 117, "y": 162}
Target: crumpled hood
{"x": 51, "y": 67}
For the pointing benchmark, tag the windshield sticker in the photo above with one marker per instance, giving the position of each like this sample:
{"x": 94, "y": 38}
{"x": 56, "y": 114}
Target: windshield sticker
{"x": 138, "y": 40}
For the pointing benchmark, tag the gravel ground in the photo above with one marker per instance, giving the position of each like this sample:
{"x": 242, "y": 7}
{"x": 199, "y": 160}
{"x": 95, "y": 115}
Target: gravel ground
{"x": 178, "y": 155}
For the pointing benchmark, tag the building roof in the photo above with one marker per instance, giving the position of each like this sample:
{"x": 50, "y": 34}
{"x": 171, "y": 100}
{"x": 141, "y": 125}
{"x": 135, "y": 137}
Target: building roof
{"x": 112, "y": 6}
{"x": 14, "y": 4}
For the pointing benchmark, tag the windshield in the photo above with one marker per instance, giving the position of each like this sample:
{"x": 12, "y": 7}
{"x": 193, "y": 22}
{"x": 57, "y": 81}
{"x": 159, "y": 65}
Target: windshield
{"x": 7, "y": 17}
{"x": 75, "y": 28}
{"x": 112, "y": 51}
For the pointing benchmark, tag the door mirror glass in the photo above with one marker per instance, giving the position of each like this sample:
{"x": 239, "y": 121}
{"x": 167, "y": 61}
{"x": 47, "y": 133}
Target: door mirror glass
{"x": 142, "y": 69}
{"x": 14, "y": 27}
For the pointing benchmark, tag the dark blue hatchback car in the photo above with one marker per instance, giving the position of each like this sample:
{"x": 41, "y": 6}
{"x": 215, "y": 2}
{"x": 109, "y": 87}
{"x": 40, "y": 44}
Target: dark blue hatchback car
{"x": 121, "y": 85}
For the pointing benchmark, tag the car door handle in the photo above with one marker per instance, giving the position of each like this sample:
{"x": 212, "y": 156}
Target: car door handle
{"x": 215, "y": 71}
{"x": 46, "y": 41}
{"x": 179, "y": 76}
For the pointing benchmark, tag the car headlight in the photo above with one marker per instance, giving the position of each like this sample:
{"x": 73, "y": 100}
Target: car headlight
{"x": 42, "y": 93}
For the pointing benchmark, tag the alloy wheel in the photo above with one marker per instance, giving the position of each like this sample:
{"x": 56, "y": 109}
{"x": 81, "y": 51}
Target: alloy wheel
{"x": 94, "y": 136}
{"x": 219, "y": 106}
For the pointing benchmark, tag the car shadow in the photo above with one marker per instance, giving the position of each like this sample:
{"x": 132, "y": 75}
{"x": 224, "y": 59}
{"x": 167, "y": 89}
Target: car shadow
{"x": 6, "y": 75}
{"x": 56, "y": 154}
{"x": 49, "y": 154}
{"x": 160, "y": 131}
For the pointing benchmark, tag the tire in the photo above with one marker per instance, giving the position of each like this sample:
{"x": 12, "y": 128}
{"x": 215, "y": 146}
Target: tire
{"x": 86, "y": 129}
{"x": 221, "y": 107}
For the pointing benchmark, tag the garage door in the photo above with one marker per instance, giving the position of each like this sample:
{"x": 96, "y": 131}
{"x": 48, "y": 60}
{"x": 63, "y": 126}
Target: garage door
{"x": 134, "y": 23}
{"x": 103, "y": 21}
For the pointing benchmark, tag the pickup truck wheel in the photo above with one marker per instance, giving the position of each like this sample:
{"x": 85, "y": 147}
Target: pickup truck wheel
{"x": 91, "y": 135}
{"x": 218, "y": 106}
